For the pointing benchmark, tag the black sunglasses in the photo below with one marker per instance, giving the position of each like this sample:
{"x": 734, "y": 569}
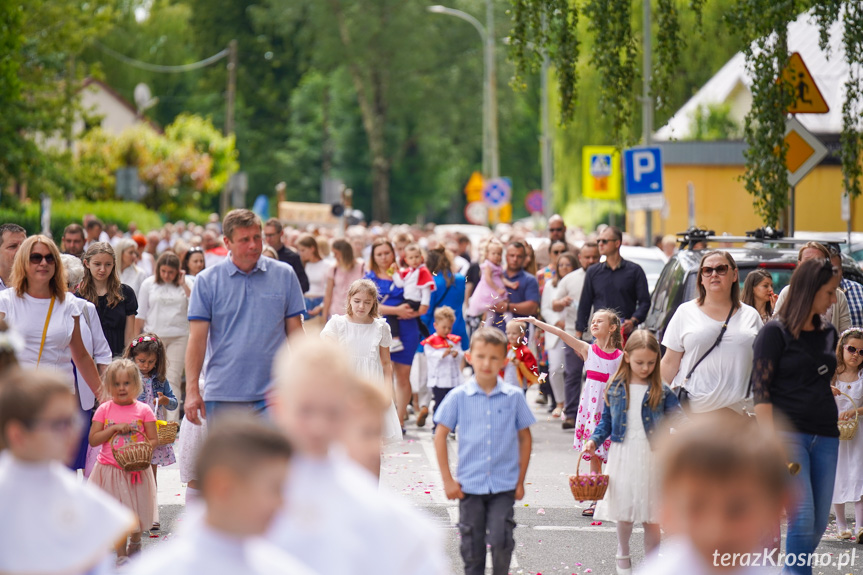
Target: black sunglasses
{"x": 37, "y": 258}
{"x": 601, "y": 241}
{"x": 720, "y": 270}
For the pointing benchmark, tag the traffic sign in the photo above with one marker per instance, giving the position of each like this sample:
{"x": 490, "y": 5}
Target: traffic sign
{"x": 808, "y": 98}
{"x": 473, "y": 188}
{"x": 534, "y": 202}
{"x": 476, "y": 213}
{"x": 497, "y": 192}
{"x": 643, "y": 173}
{"x": 600, "y": 173}
{"x": 805, "y": 151}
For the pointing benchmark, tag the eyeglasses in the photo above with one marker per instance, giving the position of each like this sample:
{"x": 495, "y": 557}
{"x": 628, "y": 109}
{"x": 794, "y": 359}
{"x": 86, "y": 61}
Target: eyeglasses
{"x": 720, "y": 270}
{"x": 603, "y": 242}
{"x": 37, "y": 258}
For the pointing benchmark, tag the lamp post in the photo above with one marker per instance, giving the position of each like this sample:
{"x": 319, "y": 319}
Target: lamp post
{"x": 490, "y": 155}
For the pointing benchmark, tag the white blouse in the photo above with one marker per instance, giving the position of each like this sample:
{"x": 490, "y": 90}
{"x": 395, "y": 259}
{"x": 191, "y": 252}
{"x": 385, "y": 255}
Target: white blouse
{"x": 164, "y": 308}
{"x": 133, "y": 276}
{"x": 317, "y": 272}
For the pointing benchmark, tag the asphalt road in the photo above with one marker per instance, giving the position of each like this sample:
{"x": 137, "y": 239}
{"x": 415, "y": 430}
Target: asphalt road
{"x": 551, "y": 538}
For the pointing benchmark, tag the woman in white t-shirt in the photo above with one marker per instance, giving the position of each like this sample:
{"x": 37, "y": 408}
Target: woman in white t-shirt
{"x": 721, "y": 378}
{"x": 318, "y": 271}
{"x": 163, "y": 308}
{"x": 38, "y": 307}
{"x": 127, "y": 263}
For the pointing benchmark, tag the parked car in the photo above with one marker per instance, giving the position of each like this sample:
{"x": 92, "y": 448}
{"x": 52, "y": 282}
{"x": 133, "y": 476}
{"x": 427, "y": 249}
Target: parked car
{"x": 854, "y": 249}
{"x": 651, "y": 260}
{"x": 677, "y": 282}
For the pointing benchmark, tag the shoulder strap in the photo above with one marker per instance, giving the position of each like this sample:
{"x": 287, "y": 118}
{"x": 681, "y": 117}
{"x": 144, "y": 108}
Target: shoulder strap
{"x": 712, "y": 347}
{"x": 45, "y": 330}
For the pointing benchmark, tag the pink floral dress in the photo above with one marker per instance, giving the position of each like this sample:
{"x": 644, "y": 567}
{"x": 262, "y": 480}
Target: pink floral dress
{"x": 600, "y": 367}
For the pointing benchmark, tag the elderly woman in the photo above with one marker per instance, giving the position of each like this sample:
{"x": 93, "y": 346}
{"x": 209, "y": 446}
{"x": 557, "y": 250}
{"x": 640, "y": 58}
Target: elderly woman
{"x": 127, "y": 264}
{"x": 709, "y": 340}
{"x": 46, "y": 315}
{"x": 96, "y": 345}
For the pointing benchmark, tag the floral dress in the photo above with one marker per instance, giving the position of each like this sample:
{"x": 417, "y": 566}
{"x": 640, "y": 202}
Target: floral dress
{"x": 164, "y": 454}
{"x": 600, "y": 367}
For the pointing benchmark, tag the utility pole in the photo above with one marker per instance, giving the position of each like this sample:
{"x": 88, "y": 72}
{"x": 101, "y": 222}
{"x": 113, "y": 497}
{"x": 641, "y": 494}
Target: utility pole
{"x": 492, "y": 88}
{"x": 547, "y": 151}
{"x": 229, "y": 112}
{"x": 647, "y": 105}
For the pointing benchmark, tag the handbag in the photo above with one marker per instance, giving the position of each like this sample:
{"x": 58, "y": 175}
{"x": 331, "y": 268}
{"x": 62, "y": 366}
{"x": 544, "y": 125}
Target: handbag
{"x": 682, "y": 394}
{"x": 45, "y": 330}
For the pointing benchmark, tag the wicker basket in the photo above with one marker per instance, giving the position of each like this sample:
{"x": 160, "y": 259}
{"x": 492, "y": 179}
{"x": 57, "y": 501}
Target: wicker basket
{"x": 587, "y": 487}
{"x": 848, "y": 427}
{"x": 167, "y": 431}
{"x": 133, "y": 456}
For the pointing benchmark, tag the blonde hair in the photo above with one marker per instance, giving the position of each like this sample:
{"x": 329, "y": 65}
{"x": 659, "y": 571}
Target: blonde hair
{"x": 87, "y": 289}
{"x": 489, "y": 336}
{"x": 366, "y": 287}
{"x": 19, "y": 281}
{"x": 616, "y": 337}
{"x": 323, "y": 246}
{"x": 640, "y": 339}
{"x": 346, "y": 254}
{"x": 366, "y": 395}
{"x": 444, "y": 312}
{"x": 309, "y": 361}
{"x": 117, "y": 368}
{"x": 851, "y": 333}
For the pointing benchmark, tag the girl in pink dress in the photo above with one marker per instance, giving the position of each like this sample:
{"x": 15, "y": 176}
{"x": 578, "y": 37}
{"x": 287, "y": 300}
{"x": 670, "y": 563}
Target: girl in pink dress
{"x": 601, "y": 360}
{"x": 492, "y": 285}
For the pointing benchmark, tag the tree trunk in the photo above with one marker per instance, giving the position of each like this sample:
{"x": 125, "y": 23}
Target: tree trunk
{"x": 381, "y": 189}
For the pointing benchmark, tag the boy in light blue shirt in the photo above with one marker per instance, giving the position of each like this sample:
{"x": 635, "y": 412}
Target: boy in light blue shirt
{"x": 494, "y": 444}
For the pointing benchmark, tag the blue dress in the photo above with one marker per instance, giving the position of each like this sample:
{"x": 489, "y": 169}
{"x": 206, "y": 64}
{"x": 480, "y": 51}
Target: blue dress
{"x": 392, "y": 295}
{"x": 452, "y": 297}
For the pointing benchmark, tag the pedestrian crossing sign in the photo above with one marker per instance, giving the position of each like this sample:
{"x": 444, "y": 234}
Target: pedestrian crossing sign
{"x": 600, "y": 173}
{"x": 808, "y": 98}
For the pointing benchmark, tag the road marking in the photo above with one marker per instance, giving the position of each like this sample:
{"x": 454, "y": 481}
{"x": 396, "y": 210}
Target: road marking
{"x": 453, "y": 514}
{"x": 513, "y": 562}
{"x": 437, "y": 493}
{"x": 598, "y": 528}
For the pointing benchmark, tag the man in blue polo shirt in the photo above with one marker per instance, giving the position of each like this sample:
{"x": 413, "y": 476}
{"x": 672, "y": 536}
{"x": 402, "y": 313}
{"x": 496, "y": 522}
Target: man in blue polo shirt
{"x": 240, "y": 314}
{"x": 522, "y": 301}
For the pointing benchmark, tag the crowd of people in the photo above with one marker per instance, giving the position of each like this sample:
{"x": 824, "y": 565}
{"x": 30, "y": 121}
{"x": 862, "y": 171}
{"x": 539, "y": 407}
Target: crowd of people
{"x": 277, "y": 348}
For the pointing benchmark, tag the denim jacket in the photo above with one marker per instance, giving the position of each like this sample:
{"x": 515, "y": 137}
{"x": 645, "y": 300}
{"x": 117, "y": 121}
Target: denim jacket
{"x": 164, "y": 388}
{"x": 613, "y": 422}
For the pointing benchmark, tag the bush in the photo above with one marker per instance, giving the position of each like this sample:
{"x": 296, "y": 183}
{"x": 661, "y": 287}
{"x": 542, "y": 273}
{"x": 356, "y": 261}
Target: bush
{"x": 65, "y": 213}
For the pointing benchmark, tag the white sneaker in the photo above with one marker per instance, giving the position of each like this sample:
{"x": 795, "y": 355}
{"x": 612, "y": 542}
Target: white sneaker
{"x": 396, "y": 346}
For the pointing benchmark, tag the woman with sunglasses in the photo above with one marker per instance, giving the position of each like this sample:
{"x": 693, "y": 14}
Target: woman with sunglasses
{"x": 546, "y": 274}
{"x": 708, "y": 341}
{"x": 794, "y": 363}
{"x": 46, "y": 316}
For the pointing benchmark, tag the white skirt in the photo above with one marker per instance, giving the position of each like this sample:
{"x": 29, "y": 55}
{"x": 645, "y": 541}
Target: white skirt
{"x": 849, "y": 470}
{"x": 633, "y": 483}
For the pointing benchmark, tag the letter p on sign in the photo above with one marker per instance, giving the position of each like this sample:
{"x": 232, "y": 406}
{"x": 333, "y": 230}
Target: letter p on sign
{"x": 644, "y": 164}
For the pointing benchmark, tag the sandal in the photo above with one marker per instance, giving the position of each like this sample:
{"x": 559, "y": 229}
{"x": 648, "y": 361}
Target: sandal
{"x": 623, "y": 570}
{"x": 557, "y": 411}
{"x": 156, "y": 526}
{"x": 589, "y": 511}
{"x": 845, "y": 534}
{"x": 859, "y": 538}
{"x": 133, "y": 547}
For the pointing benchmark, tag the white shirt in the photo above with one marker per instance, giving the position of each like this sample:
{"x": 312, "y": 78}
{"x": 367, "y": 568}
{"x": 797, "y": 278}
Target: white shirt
{"x": 133, "y": 276}
{"x": 203, "y": 549}
{"x": 164, "y": 308}
{"x": 54, "y": 523}
{"x": 318, "y": 272}
{"x": 678, "y": 555}
{"x": 27, "y": 316}
{"x": 96, "y": 345}
{"x": 338, "y": 522}
{"x": 148, "y": 263}
{"x": 443, "y": 371}
{"x": 722, "y": 378}
{"x": 571, "y": 285}
{"x": 549, "y": 294}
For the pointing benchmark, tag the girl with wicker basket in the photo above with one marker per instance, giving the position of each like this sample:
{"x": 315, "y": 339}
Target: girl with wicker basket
{"x": 148, "y": 353}
{"x": 848, "y": 389}
{"x": 126, "y": 430}
{"x": 637, "y": 405}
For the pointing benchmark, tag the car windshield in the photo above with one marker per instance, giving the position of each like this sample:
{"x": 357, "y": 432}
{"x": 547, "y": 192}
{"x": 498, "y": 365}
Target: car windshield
{"x": 781, "y": 277}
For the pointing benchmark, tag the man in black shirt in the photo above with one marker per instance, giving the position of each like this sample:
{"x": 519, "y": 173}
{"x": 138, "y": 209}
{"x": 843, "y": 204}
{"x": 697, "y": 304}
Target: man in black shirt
{"x": 614, "y": 284}
{"x": 273, "y": 234}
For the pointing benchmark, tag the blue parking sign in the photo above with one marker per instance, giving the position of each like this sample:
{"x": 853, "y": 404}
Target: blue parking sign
{"x": 643, "y": 178}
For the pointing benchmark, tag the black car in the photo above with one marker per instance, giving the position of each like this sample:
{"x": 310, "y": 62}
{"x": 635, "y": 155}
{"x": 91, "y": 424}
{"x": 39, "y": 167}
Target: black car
{"x": 677, "y": 283}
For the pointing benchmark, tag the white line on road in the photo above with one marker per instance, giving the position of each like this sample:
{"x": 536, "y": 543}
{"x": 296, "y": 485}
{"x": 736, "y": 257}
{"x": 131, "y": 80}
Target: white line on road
{"x": 598, "y": 528}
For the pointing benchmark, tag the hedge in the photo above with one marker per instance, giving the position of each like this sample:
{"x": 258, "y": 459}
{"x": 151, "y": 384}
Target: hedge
{"x": 65, "y": 213}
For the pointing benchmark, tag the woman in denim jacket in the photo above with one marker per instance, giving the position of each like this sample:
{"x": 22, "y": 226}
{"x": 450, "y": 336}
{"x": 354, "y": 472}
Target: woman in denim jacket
{"x": 637, "y": 405}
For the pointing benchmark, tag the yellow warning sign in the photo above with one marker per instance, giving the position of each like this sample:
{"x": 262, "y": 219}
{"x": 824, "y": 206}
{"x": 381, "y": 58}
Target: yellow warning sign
{"x": 473, "y": 189}
{"x": 808, "y": 97}
{"x": 600, "y": 173}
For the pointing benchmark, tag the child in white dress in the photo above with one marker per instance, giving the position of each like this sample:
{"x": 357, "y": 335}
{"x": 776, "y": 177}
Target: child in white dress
{"x": 601, "y": 361}
{"x": 637, "y": 406}
{"x": 366, "y": 337}
{"x": 848, "y": 487}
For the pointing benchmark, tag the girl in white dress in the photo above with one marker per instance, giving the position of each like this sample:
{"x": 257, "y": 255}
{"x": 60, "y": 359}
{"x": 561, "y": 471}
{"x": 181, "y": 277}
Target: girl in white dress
{"x": 366, "y": 336}
{"x": 637, "y": 406}
{"x": 849, "y": 467}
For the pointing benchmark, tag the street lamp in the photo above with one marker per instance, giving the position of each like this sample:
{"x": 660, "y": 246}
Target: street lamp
{"x": 490, "y": 157}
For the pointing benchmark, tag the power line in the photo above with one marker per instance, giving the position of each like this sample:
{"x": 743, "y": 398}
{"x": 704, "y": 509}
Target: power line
{"x": 159, "y": 68}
